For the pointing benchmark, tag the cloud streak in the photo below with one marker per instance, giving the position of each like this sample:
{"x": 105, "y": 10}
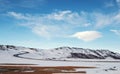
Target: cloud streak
{"x": 18, "y": 15}
{"x": 52, "y": 25}
{"x": 117, "y": 32}
{"x": 64, "y": 23}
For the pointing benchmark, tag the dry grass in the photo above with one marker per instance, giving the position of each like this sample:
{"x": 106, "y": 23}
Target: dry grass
{"x": 32, "y": 69}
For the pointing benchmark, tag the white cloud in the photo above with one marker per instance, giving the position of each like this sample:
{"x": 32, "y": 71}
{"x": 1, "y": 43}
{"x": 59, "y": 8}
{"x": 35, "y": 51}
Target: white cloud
{"x": 116, "y": 19}
{"x": 54, "y": 24}
{"x": 46, "y": 31}
{"x": 69, "y": 17}
{"x": 61, "y": 15}
{"x": 87, "y": 35}
{"x": 104, "y": 20}
{"x": 117, "y": 32}
{"x": 17, "y": 15}
{"x": 62, "y": 23}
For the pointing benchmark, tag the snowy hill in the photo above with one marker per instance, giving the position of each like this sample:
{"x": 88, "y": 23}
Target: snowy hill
{"x": 61, "y": 53}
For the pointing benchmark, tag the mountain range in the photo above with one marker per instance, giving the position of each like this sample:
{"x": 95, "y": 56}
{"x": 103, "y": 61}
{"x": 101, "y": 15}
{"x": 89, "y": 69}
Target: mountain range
{"x": 60, "y": 53}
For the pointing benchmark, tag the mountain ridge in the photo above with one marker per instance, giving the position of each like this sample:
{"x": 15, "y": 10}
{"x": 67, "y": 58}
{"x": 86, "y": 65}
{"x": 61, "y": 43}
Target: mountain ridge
{"x": 58, "y": 53}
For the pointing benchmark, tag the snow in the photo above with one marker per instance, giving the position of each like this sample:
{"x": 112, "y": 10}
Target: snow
{"x": 103, "y": 66}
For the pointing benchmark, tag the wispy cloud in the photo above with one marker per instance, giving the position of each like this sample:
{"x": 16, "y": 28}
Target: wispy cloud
{"x": 61, "y": 23}
{"x": 118, "y": 2}
{"x": 109, "y": 4}
{"x": 112, "y": 3}
{"x": 104, "y": 20}
{"x": 87, "y": 35}
{"x": 53, "y": 24}
{"x": 69, "y": 17}
{"x": 18, "y": 15}
{"x": 117, "y": 32}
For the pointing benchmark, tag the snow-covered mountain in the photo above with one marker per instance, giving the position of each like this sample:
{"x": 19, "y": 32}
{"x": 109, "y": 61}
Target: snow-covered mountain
{"x": 56, "y": 53}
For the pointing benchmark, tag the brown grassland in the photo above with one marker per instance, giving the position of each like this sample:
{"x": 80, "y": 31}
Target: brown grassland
{"x": 34, "y": 69}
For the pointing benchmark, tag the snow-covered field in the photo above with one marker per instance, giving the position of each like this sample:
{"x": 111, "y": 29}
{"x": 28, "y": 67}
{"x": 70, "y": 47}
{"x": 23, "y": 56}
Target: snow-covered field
{"x": 103, "y": 66}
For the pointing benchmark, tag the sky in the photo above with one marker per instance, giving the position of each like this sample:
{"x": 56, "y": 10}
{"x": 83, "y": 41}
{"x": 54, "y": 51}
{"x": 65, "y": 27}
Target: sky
{"x": 54, "y": 23}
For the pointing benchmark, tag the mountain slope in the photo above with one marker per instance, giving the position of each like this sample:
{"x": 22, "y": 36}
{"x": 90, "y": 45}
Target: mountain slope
{"x": 56, "y": 53}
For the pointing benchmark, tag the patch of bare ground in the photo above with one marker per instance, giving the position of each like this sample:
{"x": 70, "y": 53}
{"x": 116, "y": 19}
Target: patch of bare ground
{"x": 33, "y": 69}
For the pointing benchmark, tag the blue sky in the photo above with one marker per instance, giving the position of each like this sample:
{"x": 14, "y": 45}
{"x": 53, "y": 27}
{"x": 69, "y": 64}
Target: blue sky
{"x": 54, "y": 23}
